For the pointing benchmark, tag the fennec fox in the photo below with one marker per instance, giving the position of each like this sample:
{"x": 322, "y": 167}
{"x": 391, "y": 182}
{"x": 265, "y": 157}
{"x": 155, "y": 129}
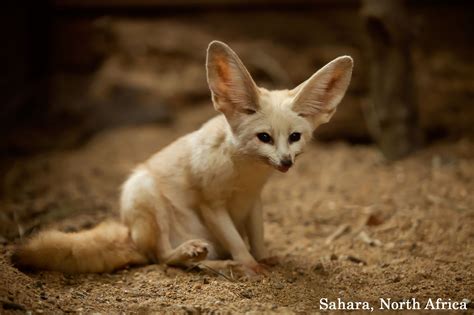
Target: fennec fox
{"x": 198, "y": 199}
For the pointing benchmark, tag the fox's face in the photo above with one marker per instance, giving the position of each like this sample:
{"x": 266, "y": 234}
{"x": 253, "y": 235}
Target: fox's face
{"x": 273, "y": 126}
{"x": 275, "y": 133}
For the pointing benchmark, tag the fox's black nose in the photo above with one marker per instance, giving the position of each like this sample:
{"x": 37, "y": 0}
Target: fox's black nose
{"x": 286, "y": 163}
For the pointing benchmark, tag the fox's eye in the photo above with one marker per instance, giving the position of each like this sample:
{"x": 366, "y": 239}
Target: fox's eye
{"x": 264, "y": 137}
{"x": 294, "y": 137}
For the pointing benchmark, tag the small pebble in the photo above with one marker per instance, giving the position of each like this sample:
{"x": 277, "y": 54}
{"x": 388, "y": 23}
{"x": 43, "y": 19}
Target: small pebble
{"x": 356, "y": 260}
{"x": 12, "y": 306}
{"x": 291, "y": 280}
{"x": 39, "y": 284}
{"x": 247, "y": 294}
{"x": 279, "y": 286}
{"x": 319, "y": 269}
{"x": 468, "y": 303}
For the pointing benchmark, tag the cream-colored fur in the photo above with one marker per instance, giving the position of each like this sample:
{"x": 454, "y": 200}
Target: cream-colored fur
{"x": 199, "y": 198}
{"x": 102, "y": 249}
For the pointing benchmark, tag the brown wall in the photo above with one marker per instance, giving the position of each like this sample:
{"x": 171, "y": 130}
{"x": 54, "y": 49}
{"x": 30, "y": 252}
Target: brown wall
{"x": 113, "y": 63}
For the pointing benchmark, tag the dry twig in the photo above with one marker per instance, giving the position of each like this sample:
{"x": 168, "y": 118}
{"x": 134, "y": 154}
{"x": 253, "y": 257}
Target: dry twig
{"x": 342, "y": 229}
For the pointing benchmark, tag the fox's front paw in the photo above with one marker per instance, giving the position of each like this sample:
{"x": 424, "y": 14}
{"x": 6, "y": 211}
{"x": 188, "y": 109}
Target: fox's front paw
{"x": 255, "y": 269}
{"x": 235, "y": 269}
{"x": 195, "y": 250}
{"x": 269, "y": 261}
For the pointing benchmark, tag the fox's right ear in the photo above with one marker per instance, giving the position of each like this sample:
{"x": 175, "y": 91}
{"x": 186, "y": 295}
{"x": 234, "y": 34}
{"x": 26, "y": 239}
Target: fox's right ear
{"x": 233, "y": 89}
{"x": 318, "y": 97}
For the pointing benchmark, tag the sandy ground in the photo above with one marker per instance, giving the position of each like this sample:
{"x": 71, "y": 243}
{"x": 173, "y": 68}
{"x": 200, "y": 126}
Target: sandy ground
{"x": 403, "y": 230}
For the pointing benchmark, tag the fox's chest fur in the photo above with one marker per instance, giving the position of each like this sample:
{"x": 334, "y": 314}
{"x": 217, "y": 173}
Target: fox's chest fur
{"x": 224, "y": 174}
{"x": 206, "y": 169}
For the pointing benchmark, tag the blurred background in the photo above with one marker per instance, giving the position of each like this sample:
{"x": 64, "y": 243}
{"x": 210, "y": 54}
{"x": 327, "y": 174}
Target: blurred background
{"x": 73, "y": 68}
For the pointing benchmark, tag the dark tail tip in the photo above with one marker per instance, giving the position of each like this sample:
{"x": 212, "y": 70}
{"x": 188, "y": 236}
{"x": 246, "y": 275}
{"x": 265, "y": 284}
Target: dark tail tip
{"x": 15, "y": 259}
{"x": 18, "y": 261}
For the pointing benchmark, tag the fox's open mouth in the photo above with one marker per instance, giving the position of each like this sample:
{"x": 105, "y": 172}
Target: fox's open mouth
{"x": 282, "y": 168}
{"x": 279, "y": 167}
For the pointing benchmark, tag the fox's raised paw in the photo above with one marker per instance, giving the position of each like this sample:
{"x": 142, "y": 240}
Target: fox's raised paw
{"x": 195, "y": 250}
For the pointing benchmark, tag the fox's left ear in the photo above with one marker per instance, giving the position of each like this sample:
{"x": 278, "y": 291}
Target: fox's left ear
{"x": 318, "y": 97}
{"x": 233, "y": 89}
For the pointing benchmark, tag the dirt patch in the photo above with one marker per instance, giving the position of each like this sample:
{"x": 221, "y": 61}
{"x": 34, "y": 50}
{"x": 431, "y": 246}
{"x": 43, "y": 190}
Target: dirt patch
{"x": 343, "y": 223}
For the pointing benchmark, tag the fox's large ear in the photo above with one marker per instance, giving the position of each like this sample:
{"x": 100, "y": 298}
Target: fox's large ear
{"x": 318, "y": 97}
{"x": 233, "y": 89}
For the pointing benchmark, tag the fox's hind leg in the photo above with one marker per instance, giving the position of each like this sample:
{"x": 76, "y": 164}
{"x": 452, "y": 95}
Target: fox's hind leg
{"x": 144, "y": 232}
{"x": 150, "y": 233}
{"x": 158, "y": 246}
{"x": 145, "y": 210}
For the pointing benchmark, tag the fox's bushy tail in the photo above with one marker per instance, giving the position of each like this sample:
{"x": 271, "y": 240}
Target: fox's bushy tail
{"x": 104, "y": 248}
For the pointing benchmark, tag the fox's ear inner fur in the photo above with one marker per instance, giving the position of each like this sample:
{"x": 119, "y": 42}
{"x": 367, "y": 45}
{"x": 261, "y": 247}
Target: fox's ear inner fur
{"x": 318, "y": 97}
{"x": 233, "y": 89}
